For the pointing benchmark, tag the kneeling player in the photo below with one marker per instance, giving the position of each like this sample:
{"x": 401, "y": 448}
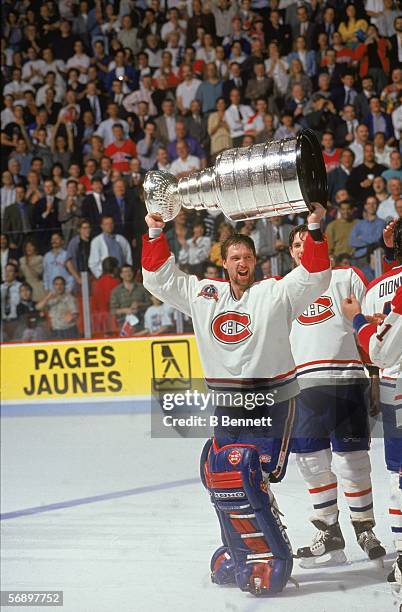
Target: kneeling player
{"x": 242, "y": 331}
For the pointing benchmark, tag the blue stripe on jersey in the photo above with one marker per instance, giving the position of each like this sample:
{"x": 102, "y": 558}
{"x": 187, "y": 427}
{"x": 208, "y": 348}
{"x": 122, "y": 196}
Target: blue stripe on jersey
{"x": 396, "y": 529}
{"x": 327, "y": 368}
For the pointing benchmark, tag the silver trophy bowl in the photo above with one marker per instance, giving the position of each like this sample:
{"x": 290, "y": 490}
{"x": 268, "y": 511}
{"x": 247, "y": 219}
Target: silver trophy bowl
{"x": 276, "y": 178}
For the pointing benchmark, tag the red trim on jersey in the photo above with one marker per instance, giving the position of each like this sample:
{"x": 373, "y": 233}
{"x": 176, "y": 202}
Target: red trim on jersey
{"x": 388, "y": 265}
{"x": 395, "y": 511}
{"x": 397, "y": 301}
{"x": 364, "y": 336}
{"x": 359, "y": 493}
{"x": 333, "y": 485}
{"x": 155, "y": 252}
{"x": 315, "y": 255}
{"x": 392, "y": 272}
{"x": 302, "y": 365}
{"x": 358, "y": 272}
{"x": 242, "y": 381}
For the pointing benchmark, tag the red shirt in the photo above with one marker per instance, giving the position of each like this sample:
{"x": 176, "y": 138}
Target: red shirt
{"x": 121, "y": 156}
{"x": 332, "y": 160}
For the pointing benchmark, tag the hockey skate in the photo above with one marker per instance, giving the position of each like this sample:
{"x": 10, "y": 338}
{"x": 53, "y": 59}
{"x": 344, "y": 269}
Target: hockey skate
{"x": 326, "y": 549}
{"x": 368, "y": 541}
{"x": 395, "y": 577}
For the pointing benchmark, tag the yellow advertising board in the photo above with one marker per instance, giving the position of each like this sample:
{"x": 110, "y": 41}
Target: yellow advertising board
{"x": 118, "y": 368}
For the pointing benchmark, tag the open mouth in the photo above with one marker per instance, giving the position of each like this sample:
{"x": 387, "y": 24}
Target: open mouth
{"x": 243, "y": 273}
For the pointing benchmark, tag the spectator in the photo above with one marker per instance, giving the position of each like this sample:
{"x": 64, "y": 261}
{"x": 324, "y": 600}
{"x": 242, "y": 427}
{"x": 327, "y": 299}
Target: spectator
{"x": 148, "y": 146}
{"x": 18, "y": 219}
{"x": 70, "y": 211}
{"x": 382, "y": 151}
{"x": 379, "y": 187}
{"x": 108, "y": 244}
{"x": 303, "y": 27}
{"x": 10, "y": 297}
{"x": 362, "y": 100}
{"x": 338, "y": 178}
{"x": 128, "y": 75}
{"x": 287, "y": 129}
{"x": 210, "y": 89}
{"x": 90, "y": 169}
{"x": 346, "y": 128}
{"x": 394, "y": 170}
{"x": 46, "y": 216}
{"x": 193, "y": 145}
{"x": 128, "y": 35}
{"x": 345, "y": 93}
{"x": 129, "y": 297}
{"x": 23, "y": 156}
{"x": 268, "y": 130}
{"x": 387, "y": 208}
{"x": 54, "y": 264}
{"x": 7, "y": 194}
{"x": 78, "y": 251}
{"x": 360, "y": 182}
{"x": 260, "y": 86}
{"x": 187, "y": 90}
{"x": 61, "y": 308}
{"x": 102, "y": 321}
{"x": 197, "y": 125}
{"x": 276, "y": 67}
{"x": 30, "y": 326}
{"x": 105, "y": 128}
{"x": 143, "y": 94}
{"x": 218, "y": 129}
{"x": 306, "y": 58}
{"x": 185, "y": 163}
{"x": 31, "y": 269}
{"x": 360, "y": 140}
{"x": 162, "y": 160}
{"x": 349, "y": 28}
{"x": 166, "y": 124}
{"x": 121, "y": 150}
{"x": 365, "y": 237}
{"x": 194, "y": 251}
{"x": 338, "y": 231}
{"x": 158, "y": 319}
{"x": 236, "y": 116}
{"x": 235, "y": 81}
{"x": 330, "y": 154}
{"x": 377, "y": 121}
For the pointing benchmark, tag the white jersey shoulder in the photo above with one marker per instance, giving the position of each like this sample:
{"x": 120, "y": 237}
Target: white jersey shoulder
{"x": 379, "y": 295}
{"x": 322, "y": 340}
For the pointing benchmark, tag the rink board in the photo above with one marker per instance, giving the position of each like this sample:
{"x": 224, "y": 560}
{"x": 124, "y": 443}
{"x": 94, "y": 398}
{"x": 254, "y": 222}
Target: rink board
{"x": 88, "y": 370}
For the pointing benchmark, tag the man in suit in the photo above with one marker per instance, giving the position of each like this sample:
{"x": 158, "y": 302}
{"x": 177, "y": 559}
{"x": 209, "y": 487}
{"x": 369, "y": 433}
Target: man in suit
{"x": 235, "y": 81}
{"x": 275, "y": 31}
{"x": 338, "y": 177}
{"x": 93, "y": 102}
{"x": 47, "y": 216}
{"x": 332, "y": 68}
{"x": 197, "y": 124}
{"x": 93, "y": 206}
{"x": 346, "y": 128}
{"x": 166, "y": 124}
{"x": 120, "y": 207}
{"x": 395, "y": 52}
{"x": 117, "y": 96}
{"x": 328, "y": 25}
{"x": 303, "y": 27}
{"x": 378, "y": 121}
{"x": 18, "y": 219}
{"x": 363, "y": 98}
{"x": 346, "y": 93}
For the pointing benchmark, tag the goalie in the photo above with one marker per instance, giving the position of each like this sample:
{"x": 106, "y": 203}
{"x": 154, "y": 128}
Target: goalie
{"x": 242, "y": 331}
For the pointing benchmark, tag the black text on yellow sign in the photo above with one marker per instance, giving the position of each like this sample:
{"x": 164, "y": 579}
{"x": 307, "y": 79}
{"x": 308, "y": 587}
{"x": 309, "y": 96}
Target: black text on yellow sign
{"x": 171, "y": 366}
{"x": 73, "y": 370}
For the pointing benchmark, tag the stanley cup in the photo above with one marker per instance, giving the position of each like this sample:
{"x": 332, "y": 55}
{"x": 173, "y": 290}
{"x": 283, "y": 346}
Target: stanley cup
{"x": 279, "y": 177}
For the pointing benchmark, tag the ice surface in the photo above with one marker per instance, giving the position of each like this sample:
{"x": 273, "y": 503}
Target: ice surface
{"x": 149, "y": 550}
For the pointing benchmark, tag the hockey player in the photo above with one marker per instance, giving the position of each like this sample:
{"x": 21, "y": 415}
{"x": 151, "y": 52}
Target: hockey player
{"x": 242, "y": 331}
{"x": 384, "y": 345}
{"x": 332, "y": 417}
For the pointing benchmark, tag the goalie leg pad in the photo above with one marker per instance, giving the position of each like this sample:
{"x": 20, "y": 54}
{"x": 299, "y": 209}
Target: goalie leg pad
{"x": 250, "y": 524}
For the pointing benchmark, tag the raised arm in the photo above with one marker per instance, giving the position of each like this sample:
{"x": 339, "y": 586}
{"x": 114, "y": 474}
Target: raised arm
{"x": 160, "y": 274}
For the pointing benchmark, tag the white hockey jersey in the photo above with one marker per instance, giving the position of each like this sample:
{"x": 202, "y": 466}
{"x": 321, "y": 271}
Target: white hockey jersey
{"x": 322, "y": 339}
{"x": 379, "y": 295}
{"x": 242, "y": 343}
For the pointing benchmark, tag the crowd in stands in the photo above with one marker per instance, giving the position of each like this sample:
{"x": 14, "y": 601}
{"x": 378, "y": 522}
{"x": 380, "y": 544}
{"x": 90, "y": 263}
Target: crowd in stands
{"x": 96, "y": 93}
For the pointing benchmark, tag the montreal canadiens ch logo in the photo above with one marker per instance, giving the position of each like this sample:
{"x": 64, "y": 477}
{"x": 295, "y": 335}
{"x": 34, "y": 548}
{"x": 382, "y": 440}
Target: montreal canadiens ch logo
{"x": 231, "y": 327}
{"x": 319, "y": 311}
{"x": 234, "y": 457}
